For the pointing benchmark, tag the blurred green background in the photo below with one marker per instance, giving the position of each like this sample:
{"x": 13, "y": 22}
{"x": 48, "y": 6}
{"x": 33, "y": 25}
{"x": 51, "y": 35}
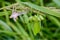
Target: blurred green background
{"x": 37, "y": 20}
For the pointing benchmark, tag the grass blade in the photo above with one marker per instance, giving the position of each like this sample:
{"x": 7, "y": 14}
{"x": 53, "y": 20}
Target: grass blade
{"x": 42, "y": 9}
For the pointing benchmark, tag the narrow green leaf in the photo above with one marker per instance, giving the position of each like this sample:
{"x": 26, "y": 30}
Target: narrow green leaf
{"x": 42, "y": 9}
{"x": 54, "y": 20}
{"x": 8, "y": 32}
{"x": 5, "y": 26}
{"x": 3, "y": 13}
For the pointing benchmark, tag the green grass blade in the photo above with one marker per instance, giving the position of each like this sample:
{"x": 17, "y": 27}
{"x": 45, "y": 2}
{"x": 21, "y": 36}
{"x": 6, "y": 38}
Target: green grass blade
{"x": 54, "y": 20}
{"x": 42, "y": 9}
{"x": 6, "y": 27}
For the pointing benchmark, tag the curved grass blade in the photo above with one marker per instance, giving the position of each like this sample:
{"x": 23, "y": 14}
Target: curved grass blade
{"x": 6, "y": 27}
{"x": 54, "y": 20}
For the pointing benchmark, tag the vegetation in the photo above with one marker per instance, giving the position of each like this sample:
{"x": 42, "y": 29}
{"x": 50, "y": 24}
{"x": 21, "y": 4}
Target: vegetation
{"x": 29, "y": 19}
